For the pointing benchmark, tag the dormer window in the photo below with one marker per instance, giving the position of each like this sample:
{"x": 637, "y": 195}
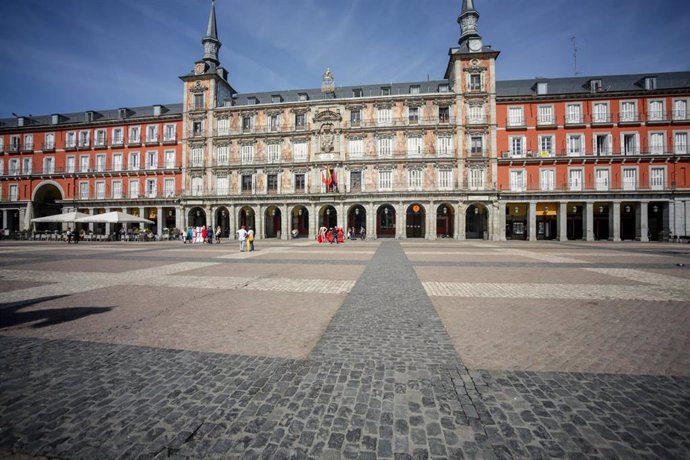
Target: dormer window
{"x": 157, "y": 110}
{"x": 650, "y": 83}
{"x": 276, "y": 99}
{"x": 122, "y": 113}
{"x": 443, "y": 88}
{"x": 54, "y": 119}
{"x": 253, "y": 100}
{"x": 357, "y": 92}
{"x": 88, "y": 117}
{"x": 386, "y": 91}
{"x": 414, "y": 89}
{"x": 21, "y": 121}
{"x": 302, "y": 97}
{"x": 542, "y": 88}
{"x": 595, "y": 86}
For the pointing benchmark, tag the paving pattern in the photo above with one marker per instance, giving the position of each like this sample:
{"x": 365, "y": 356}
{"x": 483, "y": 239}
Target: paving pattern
{"x": 366, "y": 350}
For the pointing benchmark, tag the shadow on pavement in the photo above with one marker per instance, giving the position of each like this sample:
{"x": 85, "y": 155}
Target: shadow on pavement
{"x": 11, "y": 314}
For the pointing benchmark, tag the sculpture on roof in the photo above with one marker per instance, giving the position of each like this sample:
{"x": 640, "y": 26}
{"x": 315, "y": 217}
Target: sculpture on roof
{"x": 328, "y": 82}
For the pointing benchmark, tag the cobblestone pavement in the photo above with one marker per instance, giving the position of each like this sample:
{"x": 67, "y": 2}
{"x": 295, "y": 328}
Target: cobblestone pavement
{"x": 367, "y": 350}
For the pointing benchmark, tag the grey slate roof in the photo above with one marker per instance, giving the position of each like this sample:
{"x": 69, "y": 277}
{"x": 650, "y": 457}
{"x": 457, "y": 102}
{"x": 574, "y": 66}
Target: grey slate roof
{"x": 581, "y": 84}
{"x": 99, "y": 116}
{"x": 569, "y": 86}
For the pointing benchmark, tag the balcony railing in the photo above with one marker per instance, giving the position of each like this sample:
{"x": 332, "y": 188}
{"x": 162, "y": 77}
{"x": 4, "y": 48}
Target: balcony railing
{"x": 629, "y": 117}
{"x": 580, "y": 187}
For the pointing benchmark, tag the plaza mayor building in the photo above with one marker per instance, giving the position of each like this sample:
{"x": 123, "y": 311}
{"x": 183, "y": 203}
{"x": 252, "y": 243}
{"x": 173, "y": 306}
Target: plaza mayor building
{"x": 467, "y": 157}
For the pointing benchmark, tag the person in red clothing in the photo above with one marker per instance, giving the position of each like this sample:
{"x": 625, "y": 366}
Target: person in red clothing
{"x": 329, "y": 235}
{"x": 341, "y": 235}
{"x": 204, "y": 234}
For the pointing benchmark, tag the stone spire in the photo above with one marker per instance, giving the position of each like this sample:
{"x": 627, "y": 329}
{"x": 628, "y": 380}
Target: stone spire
{"x": 210, "y": 41}
{"x": 468, "y": 21}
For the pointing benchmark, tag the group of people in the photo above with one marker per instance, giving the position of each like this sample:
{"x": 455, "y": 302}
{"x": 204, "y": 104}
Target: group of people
{"x": 73, "y": 236}
{"x": 201, "y": 235}
{"x": 353, "y": 234}
{"x": 331, "y": 235}
{"x": 246, "y": 236}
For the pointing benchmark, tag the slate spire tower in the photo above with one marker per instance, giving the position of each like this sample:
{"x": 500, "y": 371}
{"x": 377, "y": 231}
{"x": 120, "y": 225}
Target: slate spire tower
{"x": 210, "y": 41}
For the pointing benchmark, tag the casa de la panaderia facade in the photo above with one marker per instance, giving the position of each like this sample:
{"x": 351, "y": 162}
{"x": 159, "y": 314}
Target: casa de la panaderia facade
{"x": 464, "y": 157}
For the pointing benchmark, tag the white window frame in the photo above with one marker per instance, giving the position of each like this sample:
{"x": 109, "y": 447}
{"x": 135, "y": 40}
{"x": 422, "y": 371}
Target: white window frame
{"x": 545, "y": 115}
{"x": 475, "y": 178}
{"x": 152, "y": 159}
{"x": 151, "y": 133}
{"x": 84, "y": 163}
{"x": 680, "y": 142}
{"x": 444, "y": 145}
{"x": 629, "y": 178}
{"x": 656, "y": 113}
{"x": 222, "y": 155}
{"x": 196, "y": 159}
{"x": 169, "y": 132}
{"x": 384, "y": 116}
{"x": 576, "y": 179}
{"x": 133, "y": 161}
{"x": 355, "y": 148}
{"x": 71, "y": 139}
{"x": 100, "y": 137}
{"x": 14, "y": 192}
{"x": 27, "y": 165}
{"x": 49, "y": 140}
{"x": 573, "y": 113}
{"x": 99, "y": 187}
{"x": 300, "y": 150}
{"x": 595, "y": 146}
{"x": 197, "y": 186}
{"x": 247, "y": 154}
{"x": 551, "y": 150}
{"x": 385, "y": 180}
{"x": 133, "y": 188}
{"x": 134, "y": 135}
{"x": 13, "y": 167}
{"x": 384, "y": 147}
{"x": 84, "y": 138}
{"x": 222, "y": 185}
{"x": 415, "y": 146}
{"x": 570, "y": 142}
{"x": 117, "y": 161}
{"x": 273, "y": 152}
{"x": 657, "y": 142}
{"x": 100, "y": 163}
{"x": 628, "y": 111}
{"x": 518, "y": 180}
{"x": 516, "y": 116}
{"x": 415, "y": 179}
{"x": 170, "y": 159}
{"x": 657, "y": 177}
{"x": 48, "y": 165}
{"x": 71, "y": 164}
{"x": 601, "y": 116}
{"x": 445, "y": 179}
{"x": 518, "y": 146}
{"x": 602, "y": 179}
{"x": 476, "y": 114}
{"x": 636, "y": 150}
{"x": 28, "y": 142}
{"x": 169, "y": 187}
{"x": 547, "y": 179}
{"x": 151, "y": 188}
{"x": 84, "y": 190}
{"x": 116, "y": 191}
{"x": 117, "y": 136}
{"x": 681, "y": 109}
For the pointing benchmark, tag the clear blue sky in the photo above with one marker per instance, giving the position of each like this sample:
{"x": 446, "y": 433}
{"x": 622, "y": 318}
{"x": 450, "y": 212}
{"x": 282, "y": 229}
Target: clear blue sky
{"x": 75, "y": 55}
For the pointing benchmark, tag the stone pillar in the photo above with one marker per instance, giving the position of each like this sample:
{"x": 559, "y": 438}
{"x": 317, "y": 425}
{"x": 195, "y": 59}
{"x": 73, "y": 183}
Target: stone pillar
{"x": 313, "y": 222}
{"x": 563, "y": 221}
{"x": 370, "y": 225}
{"x": 462, "y": 221}
{"x": 211, "y": 220}
{"x": 498, "y": 211}
{"x": 431, "y": 222}
{"x": 615, "y": 221}
{"x": 232, "y": 222}
{"x": 400, "y": 222}
{"x": 4, "y": 219}
{"x": 161, "y": 218}
{"x": 92, "y": 211}
{"x": 107, "y": 225}
{"x": 180, "y": 219}
{"x": 342, "y": 219}
{"x": 142, "y": 215}
{"x": 456, "y": 222}
{"x": 642, "y": 218}
{"x": 589, "y": 221}
{"x": 259, "y": 222}
{"x": 285, "y": 219}
{"x": 532, "y": 221}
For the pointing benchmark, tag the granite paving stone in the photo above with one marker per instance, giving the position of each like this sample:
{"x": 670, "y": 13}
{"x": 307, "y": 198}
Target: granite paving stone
{"x": 384, "y": 376}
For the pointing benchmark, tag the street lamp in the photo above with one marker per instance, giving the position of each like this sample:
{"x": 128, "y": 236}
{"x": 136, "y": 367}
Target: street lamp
{"x": 516, "y": 209}
{"x": 445, "y": 210}
{"x": 627, "y": 209}
{"x": 476, "y": 210}
{"x": 655, "y": 208}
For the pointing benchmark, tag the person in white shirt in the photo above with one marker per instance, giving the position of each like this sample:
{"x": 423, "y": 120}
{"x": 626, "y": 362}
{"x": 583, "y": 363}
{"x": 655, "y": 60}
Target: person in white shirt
{"x": 242, "y": 237}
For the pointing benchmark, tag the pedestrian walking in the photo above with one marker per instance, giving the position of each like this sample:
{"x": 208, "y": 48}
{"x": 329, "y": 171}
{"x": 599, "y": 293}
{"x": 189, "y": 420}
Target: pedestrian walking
{"x": 250, "y": 238}
{"x": 242, "y": 237}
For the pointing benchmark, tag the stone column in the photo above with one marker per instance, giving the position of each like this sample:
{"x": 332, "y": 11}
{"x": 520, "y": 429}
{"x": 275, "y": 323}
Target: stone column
{"x": 462, "y": 221}
{"x": 92, "y": 211}
{"x": 400, "y": 222}
{"x": 498, "y": 211}
{"x": 431, "y": 222}
{"x": 532, "y": 221}
{"x": 342, "y": 220}
{"x": 142, "y": 215}
{"x": 107, "y": 225}
{"x": 563, "y": 221}
{"x": 615, "y": 221}
{"x": 589, "y": 221}
{"x": 161, "y": 218}
{"x": 180, "y": 219}
{"x": 643, "y": 219}
{"x": 285, "y": 219}
{"x": 313, "y": 222}
{"x": 370, "y": 225}
{"x": 259, "y": 221}
{"x": 456, "y": 221}
{"x": 4, "y": 219}
{"x": 232, "y": 222}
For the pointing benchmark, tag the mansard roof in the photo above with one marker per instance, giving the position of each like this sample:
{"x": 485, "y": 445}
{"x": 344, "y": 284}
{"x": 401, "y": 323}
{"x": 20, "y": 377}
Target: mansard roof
{"x": 131, "y": 114}
{"x": 582, "y": 84}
